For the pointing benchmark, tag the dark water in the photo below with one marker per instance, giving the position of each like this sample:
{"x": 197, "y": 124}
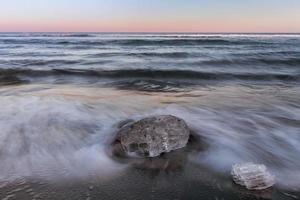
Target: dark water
{"x": 61, "y": 96}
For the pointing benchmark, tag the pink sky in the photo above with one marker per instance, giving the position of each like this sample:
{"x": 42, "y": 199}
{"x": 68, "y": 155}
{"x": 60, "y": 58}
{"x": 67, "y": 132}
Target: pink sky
{"x": 150, "y": 16}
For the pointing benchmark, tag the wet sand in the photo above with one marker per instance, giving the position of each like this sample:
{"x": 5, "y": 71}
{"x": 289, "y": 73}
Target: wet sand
{"x": 169, "y": 178}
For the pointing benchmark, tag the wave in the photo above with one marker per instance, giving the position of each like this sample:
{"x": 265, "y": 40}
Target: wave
{"x": 7, "y": 79}
{"x": 29, "y": 60}
{"x": 136, "y": 42}
{"x": 48, "y": 41}
{"x": 162, "y": 55}
{"x": 77, "y": 35}
{"x": 176, "y": 74}
{"x": 291, "y": 61}
{"x": 171, "y": 42}
{"x": 142, "y": 54}
{"x": 151, "y": 74}
{"x": 40, "y": 62}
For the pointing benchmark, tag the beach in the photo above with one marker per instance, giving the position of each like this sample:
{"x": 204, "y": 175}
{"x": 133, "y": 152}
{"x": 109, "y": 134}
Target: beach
{"x": 63, "y": 94}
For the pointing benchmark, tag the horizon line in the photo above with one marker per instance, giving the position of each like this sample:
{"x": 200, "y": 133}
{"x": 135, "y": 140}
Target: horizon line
{"x": 153, "y": 32}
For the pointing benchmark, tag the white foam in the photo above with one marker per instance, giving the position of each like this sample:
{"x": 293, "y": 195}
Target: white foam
{"x": 52, "y": 137}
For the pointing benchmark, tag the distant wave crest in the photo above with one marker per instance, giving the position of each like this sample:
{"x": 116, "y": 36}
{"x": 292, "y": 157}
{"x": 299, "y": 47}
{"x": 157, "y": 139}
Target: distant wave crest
{"x": 129, "y": 42}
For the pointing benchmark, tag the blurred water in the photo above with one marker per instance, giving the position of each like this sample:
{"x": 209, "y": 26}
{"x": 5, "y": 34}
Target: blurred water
{"x": 62, "y": 94}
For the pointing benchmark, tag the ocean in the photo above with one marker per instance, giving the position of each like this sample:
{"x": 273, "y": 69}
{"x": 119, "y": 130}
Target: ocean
{"x": 63, "y": 94}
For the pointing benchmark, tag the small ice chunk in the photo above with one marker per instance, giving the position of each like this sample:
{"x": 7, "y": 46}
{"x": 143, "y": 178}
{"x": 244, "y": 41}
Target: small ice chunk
{"x": 252, "y": 176}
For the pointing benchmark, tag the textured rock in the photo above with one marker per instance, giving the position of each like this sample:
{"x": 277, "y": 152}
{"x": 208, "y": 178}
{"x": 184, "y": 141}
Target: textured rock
{"x": 152, "y": 136}
{"x": 252, "y": 176}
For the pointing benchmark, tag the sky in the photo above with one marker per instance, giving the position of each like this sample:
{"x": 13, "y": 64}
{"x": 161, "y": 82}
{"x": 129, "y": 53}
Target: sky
{"x": 150, "y": 16}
